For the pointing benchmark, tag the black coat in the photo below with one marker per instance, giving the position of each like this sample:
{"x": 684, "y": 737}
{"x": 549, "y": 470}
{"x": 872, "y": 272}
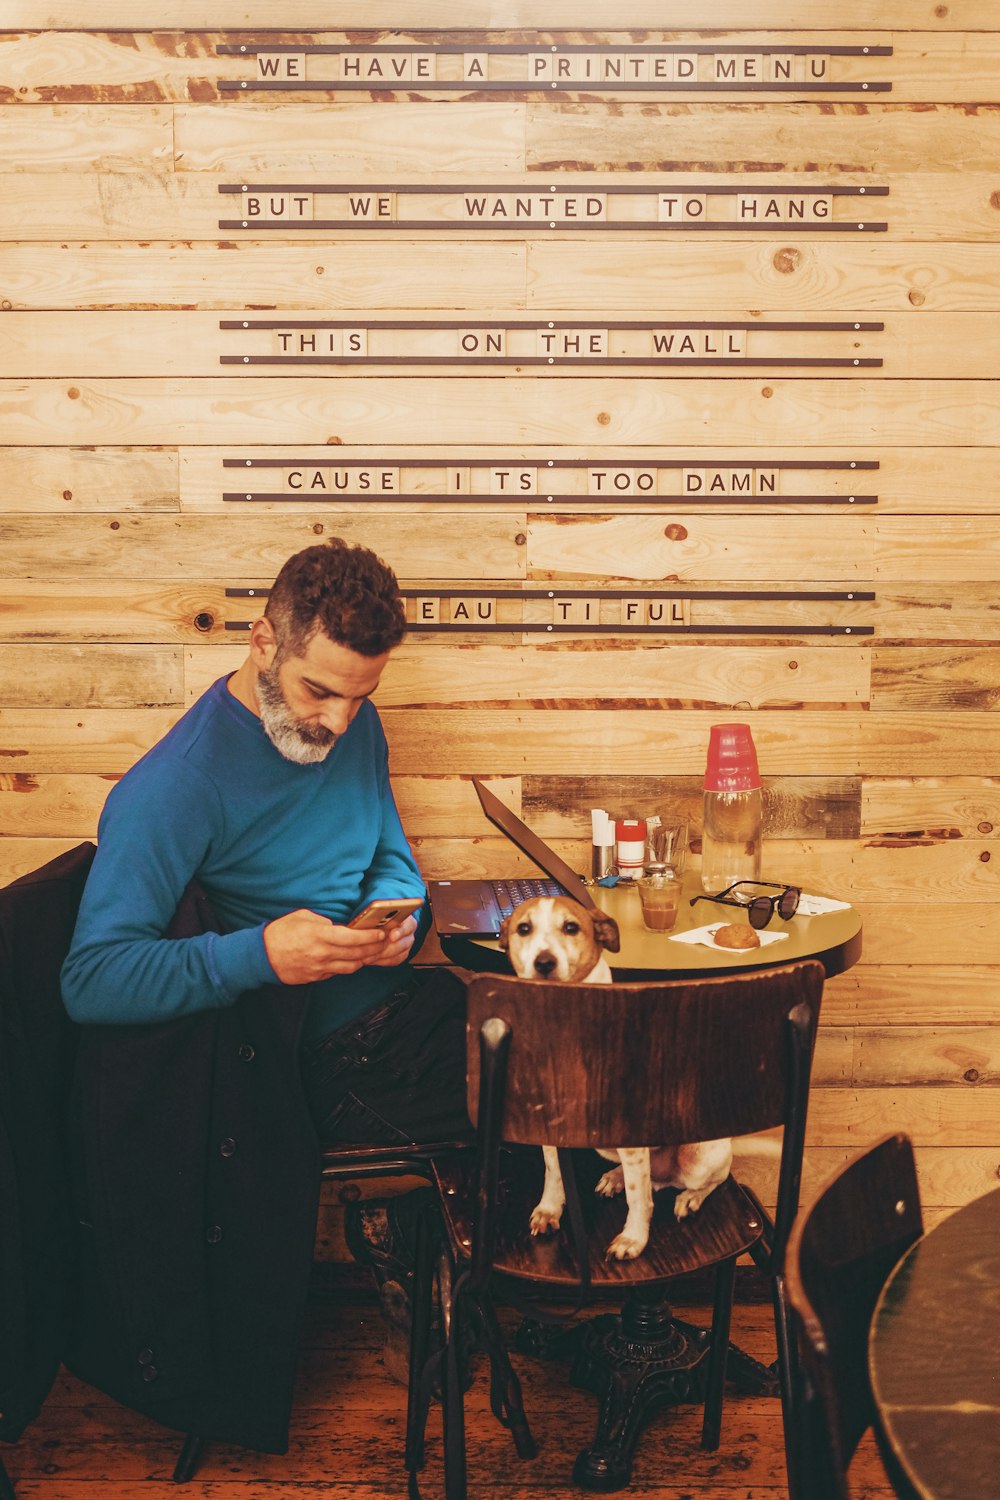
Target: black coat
{"x": 195, "y": 1172}
{"x": 37, "y": 1047}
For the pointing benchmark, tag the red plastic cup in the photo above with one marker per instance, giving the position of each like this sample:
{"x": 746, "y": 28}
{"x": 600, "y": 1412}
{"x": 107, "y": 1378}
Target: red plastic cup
{"x": 732, "y": 759}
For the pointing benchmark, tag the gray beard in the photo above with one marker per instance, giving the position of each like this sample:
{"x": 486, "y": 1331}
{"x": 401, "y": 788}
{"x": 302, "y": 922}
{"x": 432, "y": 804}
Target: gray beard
{"x": 304, "y": 744}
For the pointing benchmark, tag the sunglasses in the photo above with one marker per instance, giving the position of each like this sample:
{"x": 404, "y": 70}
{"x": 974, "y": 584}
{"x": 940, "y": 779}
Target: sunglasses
{"x": 759, "y": 909}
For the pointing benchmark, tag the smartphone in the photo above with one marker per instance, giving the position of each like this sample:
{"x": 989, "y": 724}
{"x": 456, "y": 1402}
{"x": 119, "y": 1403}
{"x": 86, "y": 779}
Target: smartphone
{"x": 386, "y": 913}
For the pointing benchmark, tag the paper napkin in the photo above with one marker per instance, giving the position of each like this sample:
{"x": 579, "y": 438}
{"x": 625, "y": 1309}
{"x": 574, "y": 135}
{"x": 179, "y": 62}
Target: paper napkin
{"x": 706, "y": 937}
{"x": 815, "y": 906}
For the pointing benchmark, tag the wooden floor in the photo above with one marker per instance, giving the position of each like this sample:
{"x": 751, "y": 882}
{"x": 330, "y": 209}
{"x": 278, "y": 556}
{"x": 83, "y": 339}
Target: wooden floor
{"x": 347, "y": 1436}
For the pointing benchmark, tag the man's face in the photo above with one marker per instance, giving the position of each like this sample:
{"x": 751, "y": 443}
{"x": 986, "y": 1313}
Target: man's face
{"x": 307, "y": 702}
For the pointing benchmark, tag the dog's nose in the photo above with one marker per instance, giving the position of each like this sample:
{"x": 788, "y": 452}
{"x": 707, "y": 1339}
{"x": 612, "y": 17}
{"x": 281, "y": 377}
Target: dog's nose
{"x": 544, "y": 964}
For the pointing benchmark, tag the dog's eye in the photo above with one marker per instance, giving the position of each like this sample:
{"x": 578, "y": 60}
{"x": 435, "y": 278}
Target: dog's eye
{"x": 524, "y": 929}
{"x": 571, "y": 928}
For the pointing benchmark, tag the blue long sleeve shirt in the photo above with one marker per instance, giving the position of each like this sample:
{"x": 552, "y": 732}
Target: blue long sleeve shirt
{"x": 215, "y": 800}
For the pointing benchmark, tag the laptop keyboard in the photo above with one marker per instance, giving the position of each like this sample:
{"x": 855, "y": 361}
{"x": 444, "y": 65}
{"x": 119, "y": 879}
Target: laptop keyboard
{"x": 511, "y": 893}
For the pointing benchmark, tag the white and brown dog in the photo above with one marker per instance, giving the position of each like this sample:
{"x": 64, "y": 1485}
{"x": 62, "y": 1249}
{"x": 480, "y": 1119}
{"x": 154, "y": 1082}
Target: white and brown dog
{"x": 552, "y": 937}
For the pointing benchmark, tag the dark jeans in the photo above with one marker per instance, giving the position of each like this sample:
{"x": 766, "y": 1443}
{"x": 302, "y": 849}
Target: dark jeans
{"x": 396, "y": 1074}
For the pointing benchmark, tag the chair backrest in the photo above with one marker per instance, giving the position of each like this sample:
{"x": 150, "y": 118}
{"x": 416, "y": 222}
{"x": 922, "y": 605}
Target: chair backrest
{"x": 840, "y": 1252}
{"x": 646, "y": 1064}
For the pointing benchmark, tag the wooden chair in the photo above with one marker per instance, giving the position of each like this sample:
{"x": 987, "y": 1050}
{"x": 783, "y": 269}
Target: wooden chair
{"x": 841, "y": 1249}
{"x": 352, "y": 1163}
{"x": 621, "y": 1064}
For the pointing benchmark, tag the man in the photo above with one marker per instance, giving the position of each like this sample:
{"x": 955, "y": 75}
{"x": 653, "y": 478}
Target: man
{"x": 272, "y": 794}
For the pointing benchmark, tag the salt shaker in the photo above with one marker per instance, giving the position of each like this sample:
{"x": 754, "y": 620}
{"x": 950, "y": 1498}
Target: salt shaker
{"x": 631, "y": 835}
{"x": 602, "y": 850}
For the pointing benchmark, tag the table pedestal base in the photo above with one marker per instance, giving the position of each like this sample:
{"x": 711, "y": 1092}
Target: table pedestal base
{"x": 638, "y": 1362}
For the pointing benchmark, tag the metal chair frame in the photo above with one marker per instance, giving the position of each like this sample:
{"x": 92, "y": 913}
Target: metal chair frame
{"x": 342, "y": 1164}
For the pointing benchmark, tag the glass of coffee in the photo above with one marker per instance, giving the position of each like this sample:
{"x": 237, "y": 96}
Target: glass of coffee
{"x": 659, "y": 895}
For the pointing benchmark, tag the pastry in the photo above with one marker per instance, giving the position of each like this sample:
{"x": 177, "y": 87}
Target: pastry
{"x": 736, "y": 935}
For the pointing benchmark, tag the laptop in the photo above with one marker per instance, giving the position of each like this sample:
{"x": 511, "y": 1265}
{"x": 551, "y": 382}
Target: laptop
{"x": 475, "y": 908}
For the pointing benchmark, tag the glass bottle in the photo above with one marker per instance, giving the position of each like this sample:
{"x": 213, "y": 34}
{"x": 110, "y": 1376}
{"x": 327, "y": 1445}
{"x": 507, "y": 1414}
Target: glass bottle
{"x": 731, "y": 832}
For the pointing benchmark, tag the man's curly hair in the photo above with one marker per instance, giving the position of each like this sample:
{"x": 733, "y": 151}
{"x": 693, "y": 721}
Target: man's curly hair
{"x": 346, "y": 592}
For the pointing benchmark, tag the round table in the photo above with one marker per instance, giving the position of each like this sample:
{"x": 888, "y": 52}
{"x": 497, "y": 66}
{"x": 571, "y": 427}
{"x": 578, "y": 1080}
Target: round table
{"x": 934, "y": 1356}
{"x": 834, "y": 938}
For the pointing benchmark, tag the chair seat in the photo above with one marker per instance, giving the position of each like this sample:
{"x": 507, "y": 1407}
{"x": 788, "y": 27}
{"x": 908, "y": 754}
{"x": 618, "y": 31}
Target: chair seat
{"x": 727, "y": 1224}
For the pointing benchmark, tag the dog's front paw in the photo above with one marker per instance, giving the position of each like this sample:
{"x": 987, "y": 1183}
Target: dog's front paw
{"x": 626, "y": 1246}
{"x": 611, "y": 1184}
{"x": 545, "y": 1220}
{"x": 689, "y": 1201}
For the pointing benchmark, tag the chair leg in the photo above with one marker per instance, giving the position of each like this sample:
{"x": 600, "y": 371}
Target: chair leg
{"x": 718, "y": 1353}
{"x": 505, "y": 1388}
{"x": 6, "y": 1487}
{"x": 453, "y": 1402}
{"x": 788, "y": 1377}
{"x": 418, "y": 1383}
{"x": 190, "y": 1457}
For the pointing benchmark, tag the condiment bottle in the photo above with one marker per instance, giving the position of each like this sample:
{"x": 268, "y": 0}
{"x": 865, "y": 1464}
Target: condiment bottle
{"x": 731, "y": 833}
{"x": 602, "y": 852}
{"x": 631, "y": 836}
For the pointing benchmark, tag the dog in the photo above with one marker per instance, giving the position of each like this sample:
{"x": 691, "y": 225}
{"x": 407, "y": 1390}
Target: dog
{"x": 553, "y": 937}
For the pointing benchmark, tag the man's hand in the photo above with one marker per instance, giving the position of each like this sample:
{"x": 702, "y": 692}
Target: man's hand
{"x": 399, "y": 941}
{"x": 303, "y": 946}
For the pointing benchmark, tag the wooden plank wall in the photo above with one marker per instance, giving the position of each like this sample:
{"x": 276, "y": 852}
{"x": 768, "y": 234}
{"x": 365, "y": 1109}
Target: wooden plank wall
{"x": 117, "y": 545}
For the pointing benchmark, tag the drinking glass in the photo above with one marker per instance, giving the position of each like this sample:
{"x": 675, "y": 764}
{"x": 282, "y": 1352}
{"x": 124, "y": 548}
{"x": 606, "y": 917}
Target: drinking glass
{"x": 667, "y": 845}
{"x": 659, "y": 896}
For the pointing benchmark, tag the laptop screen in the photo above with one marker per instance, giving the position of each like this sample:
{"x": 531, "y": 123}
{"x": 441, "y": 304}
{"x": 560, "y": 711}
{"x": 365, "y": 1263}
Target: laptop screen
{"x": 534, "y": 847}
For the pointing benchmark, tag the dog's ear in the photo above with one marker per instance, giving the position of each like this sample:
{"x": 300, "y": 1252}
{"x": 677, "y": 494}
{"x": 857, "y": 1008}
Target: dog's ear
{"x": 503, "y": 937}
{"x": 606, "y": 931}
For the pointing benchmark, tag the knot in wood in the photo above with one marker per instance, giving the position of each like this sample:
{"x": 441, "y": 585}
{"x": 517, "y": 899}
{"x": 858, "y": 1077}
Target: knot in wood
{"x": 787, "y": 260}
